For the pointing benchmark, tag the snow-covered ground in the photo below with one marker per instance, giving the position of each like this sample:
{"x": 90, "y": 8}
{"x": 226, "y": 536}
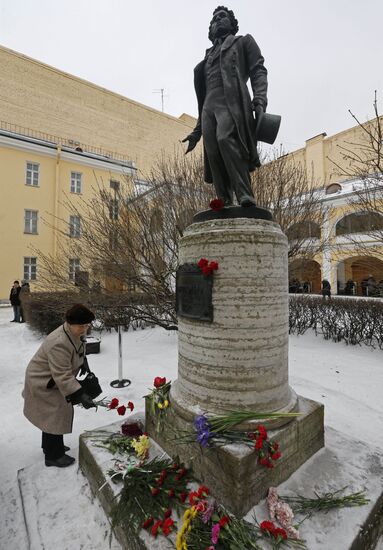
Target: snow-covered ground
{"x": 348, "y": 380}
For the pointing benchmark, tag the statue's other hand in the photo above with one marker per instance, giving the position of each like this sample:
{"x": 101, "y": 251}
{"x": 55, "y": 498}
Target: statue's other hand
{"x": 192, "y": 142}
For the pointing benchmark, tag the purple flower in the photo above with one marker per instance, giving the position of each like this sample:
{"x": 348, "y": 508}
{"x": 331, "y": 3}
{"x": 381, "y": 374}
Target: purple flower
{"x": 208, "y": 512}
{"x": 203, "y": 427}
{"x": 201, "y": 422}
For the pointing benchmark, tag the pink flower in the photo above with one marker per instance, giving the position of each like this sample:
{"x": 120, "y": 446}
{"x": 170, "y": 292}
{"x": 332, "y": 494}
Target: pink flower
{"x": 292, "y": 532}
{"x": 209, "y": 511}
{"x": 272, "y": 501}
{"x": 284, "y": 514}
{"x": 215, "y": 533}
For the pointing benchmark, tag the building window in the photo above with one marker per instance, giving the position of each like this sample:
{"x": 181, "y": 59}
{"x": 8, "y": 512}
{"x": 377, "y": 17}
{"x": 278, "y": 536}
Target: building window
{"x": 74, "y": 226}
{"x": 75, "y": 182}
{"x": 32, "y": 174}
{"x": 30, "y": 221}
{"x": 115, "y": 184}
{"x": 303, "y": 230}
{"x": 74, "y": 265}
{"x": 359, "y": 222}
{"x": 113, "y": 209}
{"x": 30, "y": 268}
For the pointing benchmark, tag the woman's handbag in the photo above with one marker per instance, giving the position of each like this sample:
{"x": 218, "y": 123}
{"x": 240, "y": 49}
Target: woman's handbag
{"x": 90, "y": 383}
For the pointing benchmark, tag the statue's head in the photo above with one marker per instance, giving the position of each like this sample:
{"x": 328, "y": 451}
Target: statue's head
{"x": 223, "y": 23}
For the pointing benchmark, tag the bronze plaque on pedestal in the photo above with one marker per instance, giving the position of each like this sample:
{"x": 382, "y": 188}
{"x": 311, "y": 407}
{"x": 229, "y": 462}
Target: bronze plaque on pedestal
{"x": 194, "y": 293}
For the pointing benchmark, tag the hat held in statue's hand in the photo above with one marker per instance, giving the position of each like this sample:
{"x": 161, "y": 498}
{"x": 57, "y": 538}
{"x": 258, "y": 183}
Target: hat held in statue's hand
{"x": 267, "y": 127}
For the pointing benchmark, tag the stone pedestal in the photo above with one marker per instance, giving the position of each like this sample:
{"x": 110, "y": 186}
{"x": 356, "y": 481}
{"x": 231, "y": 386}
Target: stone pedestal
{"x": 239, "y": 361}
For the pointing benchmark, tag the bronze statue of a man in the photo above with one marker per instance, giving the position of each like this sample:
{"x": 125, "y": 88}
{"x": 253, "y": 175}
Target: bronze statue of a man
{"x": 226, "y": 119}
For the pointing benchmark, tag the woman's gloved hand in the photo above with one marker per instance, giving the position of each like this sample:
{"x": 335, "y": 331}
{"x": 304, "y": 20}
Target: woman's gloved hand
{"x": 86, "y": 401}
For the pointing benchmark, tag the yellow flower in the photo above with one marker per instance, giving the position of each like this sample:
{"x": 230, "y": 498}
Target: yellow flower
{"x": 160, "y": 405}
{"x": 166, "y": 404}
{"x": 141, "y": 445}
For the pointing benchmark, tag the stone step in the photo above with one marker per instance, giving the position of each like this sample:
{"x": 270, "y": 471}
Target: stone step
{"x": 13, "y": 532}
{"x": 60, "y": 510}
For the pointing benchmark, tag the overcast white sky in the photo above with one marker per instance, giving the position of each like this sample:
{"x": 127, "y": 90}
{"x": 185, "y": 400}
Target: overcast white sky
{"x": 323, "y": 56}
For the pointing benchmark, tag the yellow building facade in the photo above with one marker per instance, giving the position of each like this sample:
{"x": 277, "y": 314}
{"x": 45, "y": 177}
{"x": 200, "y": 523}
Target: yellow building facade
{"x": 38, "y": 181}
{"x": 59, "y": 135}
{"x": 349, "y": 251}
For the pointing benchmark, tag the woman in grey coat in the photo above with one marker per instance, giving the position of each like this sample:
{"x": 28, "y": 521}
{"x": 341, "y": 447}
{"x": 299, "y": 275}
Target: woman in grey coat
{"x": 51, "y": 388}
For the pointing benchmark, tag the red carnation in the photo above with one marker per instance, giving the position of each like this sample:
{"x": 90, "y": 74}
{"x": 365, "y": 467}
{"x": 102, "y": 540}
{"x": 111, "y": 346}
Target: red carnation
{"x": 121, "y": 410}
{"x": 267, "y": 526}
{"x": 155, "y": 528}
{"x": 203, "y": 491}
{"x": 167, "y": 526}
{"x": 155, "y": 491}
{"x": 216, "y": 204}
{"x": 182, "y": 472}
{"x": 203, "y": 262}
{"x": 276, "y": 446}
{"x": 213, "y": 265}
{"x": 171, "y": 493}
{"x": 206, "y": 270}
{"x": 223, "y": 521}
{"x": 262, "y": 431}
{"x": 183, "y": 497}
{"x": 275, "y": 456}
{"x": 168, "y": 513}
{"x": 147, "y": 523}
{"x": 130, "y": 406}
{"x": 113, "y": 404}
{"x": 266, "y": 462}
{"x": 279, "y": 532}
{"x": 258, "y": 443}
{"x": 193, "y": 497}
{"x": 158, "y": 381}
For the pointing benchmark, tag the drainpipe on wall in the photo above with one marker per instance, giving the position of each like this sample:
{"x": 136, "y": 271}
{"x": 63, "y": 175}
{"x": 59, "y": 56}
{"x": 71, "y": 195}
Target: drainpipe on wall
{"x": 56, "y": 200}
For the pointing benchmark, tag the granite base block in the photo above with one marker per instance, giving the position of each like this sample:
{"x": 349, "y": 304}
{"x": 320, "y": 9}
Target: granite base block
{"x": 343, "y": 462}
{"x": 231, "y": 472}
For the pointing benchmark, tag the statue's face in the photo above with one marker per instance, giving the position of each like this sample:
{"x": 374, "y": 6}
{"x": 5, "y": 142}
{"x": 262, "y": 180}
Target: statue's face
{"x": 220, "y": 24}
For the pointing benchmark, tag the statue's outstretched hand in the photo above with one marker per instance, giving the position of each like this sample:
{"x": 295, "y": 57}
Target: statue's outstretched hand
{"x": 192, "y": 142}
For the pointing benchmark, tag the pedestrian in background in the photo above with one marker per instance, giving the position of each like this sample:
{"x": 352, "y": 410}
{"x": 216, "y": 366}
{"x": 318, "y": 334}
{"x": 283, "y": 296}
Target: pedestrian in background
{"x": 14, "y": 298}
{"x": 24, "y": 300}
{"x": 326, "y": 289}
